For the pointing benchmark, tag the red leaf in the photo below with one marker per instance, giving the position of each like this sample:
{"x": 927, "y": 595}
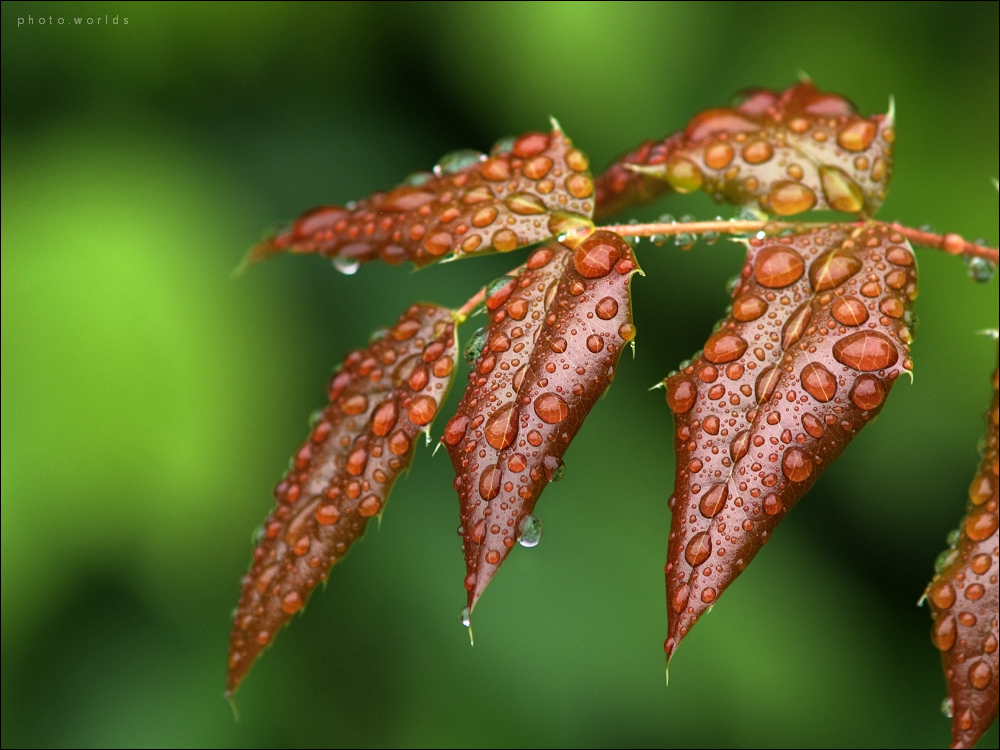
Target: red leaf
{"x": 555, "y": 333}
{"x": 816, "y": 336}
{"x": 964, "y": 601}
{"x": 381, "y": 399}
{"x": 787, "y": 153}
{"x": 527, "y": 191}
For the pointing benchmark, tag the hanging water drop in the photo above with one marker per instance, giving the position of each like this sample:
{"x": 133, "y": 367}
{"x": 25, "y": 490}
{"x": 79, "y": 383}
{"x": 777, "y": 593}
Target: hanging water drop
{"x": 952, "y": 538}
{"x": 948, "y": 707}
{"x": 347, "y": 266}
{"x": 466, "y": 617}
{"x": 981, "y": 270}
{"x": 531, "y": 532}
{"x": 377, "y": 335}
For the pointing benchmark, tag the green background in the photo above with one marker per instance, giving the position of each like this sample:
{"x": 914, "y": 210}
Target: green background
{"x": 150, "y": 401}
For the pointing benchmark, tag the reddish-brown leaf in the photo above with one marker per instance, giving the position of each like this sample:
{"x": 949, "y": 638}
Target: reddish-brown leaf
{"x": 816, "y": 336}
{"x": 556, "y": 330}
{"x": 380, "y": 400}
{"x": 527, "y": 191}
{"x": 787, "y": 153}
{"x": 964, "y": 600}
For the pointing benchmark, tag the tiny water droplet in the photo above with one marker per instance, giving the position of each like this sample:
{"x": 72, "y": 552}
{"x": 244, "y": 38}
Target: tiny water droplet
{"x": 347, "y": 266}
{"x": 981, "y": 270}
{"x": 466, "y": 617}
{"x": 377, "y": 335}
{"x": 315, "y": 417}
{"x": 953, "y": 537}
{"x": 531, "y": 532}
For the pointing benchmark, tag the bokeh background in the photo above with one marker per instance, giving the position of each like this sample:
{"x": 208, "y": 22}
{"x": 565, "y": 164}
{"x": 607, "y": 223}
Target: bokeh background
{"x": 150, "y": 401}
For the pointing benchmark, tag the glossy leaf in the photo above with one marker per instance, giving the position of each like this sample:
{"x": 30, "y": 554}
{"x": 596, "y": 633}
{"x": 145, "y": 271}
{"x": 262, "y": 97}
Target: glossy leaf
{"x": 380, "y": 401}
{"x": 556, "y": 330}
{"x": 816, "y": 336}
{"x": 785, "y": 153}
{"x": 528, "y": 190}
{"x": 963, "y": 599}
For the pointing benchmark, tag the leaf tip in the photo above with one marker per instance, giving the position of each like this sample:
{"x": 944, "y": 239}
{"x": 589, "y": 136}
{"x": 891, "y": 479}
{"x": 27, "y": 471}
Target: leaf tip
{"x": 555, "y": 125}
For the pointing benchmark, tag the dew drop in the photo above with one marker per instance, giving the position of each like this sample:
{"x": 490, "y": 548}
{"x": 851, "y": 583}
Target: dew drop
{"x": 849, "y": 311}
{"x": 818, "y": 382}
{"x": 796, "y": 465}
{"x": 842, "y": 193}
{"x": 724, "y": 347}
{"x": 698, "y": 549}
{"x": 714, "y": 500}
{"x": 981, "y": 270}
{"x": 458, "y": 160}
{"x": 868, "y": 392}
{"x": 489, "y": 482}
{"x": 474, "y": 346}
{"x": 832, "y": 269}
{"x": 777, "y": 266}
{"x": 787, "y": 198}
{"x": 501, "y": 428}
{"x": 748, "y": 307}
{"x": 465, "y": 616}
{"x": 346, "y": 266}
{"x": 684, "y": 175}
{"x": 866, "y": 351}
{"x": 607, "y": 308}
{"x": 554, "y": 468}
{"x": 551, "y": 408}
{"x": 422, "y": 410}
{"x": 948, "y": 707}
{"x": 681, "y": 395}
{"x": 531, "y": 532}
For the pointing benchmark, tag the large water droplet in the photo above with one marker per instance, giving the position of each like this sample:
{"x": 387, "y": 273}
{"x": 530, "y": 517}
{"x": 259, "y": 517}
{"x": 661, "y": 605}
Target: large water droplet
{"x": 465, "y": 616}
{"x": 818, "y": 382}
{"x": 778, "y": 266}
{"x": 554, "y": 468}
{"x": 551, "y": 408}
{"x": 531, "y": 532}
{"x": 501, "y": 428}
{"x": 598, "y": 254}
{"x": 948, "y": 707}
{"x": 347, "y": 266}
{"x": 456, "y": 161}
{"x": 866, "y": 351}
{"x": 981, "y": 270}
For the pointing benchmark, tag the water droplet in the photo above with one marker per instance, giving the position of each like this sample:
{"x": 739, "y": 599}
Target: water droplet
{"x": 796, "y": 325}
{"x": 501, "y": 428}
{"x": 787, "y": 198}
{"x": 842, "y": 193}
{"x": 465, "y": 616}
{"x": 684, "y": 175}
{"x": 530, "y": 144}
{"x": 595, "y": 343}
{"x": 981, "y": 525}
{"x": 456, "y": 161}
{"x": 384, "y": 418}
{"x": 724, "y": 347}
{"x": 698, "y": 549}
{"x": 796, "y": 465}
{"x": 714, "y": 500}
{"x": 598, "y": 254}
{"x": 866, "y": 351}
{"x": 945, "y": 559}
{"x": 504, "y": 241}
{"x": 347, "y": 266}
{"x": 868, "y": 392}
{"x": 474, "y": 346}
{"x": 681, "y": 395}
{"x": 757, "y": 152}
{"x": 777, "y": 266}
{"x": 948, "y": 707}
{"x": 607, "y": 308}
{"x": 554, "y": 468}
{"x": 531, "y": 532}
{"x": 422, "y": 410}
{"x": 418, "y": 178}
{"x": 551, "y": 408}
{"x": 718, "y": 155}
{"x": 857, "y": 136}
{"x": 525, "y": 204}
{"x": 748, "y": 307}
{"x": 981, "y": 270}
{"x": 818, "y": 382}
{"x": 849, "y": 311}
{"x": 489, "y": 482}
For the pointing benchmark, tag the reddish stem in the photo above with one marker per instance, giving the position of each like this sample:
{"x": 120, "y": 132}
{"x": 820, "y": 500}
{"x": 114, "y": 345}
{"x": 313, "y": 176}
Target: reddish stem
{"x": 465, "y": 310}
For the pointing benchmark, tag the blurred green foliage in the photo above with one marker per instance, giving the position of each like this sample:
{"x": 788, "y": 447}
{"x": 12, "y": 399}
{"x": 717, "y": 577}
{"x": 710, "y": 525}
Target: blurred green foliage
{"x": 150, "y": 401}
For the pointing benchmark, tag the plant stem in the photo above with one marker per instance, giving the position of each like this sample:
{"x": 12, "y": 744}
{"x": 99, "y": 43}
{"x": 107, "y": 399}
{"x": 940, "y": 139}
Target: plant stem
{"x": 465, "y": 310}
{"x": 951, "y": 243}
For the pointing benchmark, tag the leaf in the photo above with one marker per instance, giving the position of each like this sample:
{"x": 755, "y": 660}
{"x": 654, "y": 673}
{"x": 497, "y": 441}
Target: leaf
{"x": 528, "y": 190}
{"x": 380, "y": 400}
{"x": 964, "y": 600}
{"x": 816, "y": 336}
{"x": 785, "y": 153}
{"x": 556, "y": 330}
